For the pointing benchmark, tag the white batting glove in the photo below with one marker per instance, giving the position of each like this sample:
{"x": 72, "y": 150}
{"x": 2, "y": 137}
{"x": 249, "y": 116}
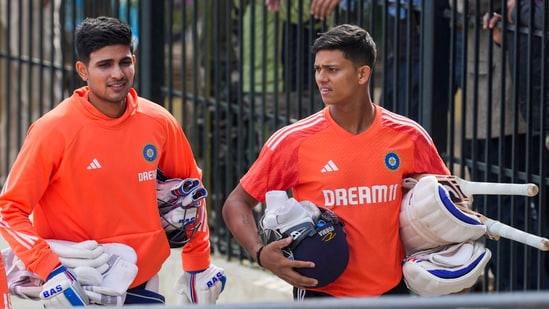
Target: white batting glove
{"x": 283, "y": 213}
{"x": 201, "y": 287}
{"x": 78, "y": 254}
{"x": 62, "y": 290}
{"x": 117, "y": 279}
{"x": 174, "y": 188}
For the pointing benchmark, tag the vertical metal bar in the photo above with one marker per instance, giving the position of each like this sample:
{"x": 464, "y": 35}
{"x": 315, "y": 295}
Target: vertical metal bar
{"x": 434, "y": 73}
{"x": 152, "y": 46}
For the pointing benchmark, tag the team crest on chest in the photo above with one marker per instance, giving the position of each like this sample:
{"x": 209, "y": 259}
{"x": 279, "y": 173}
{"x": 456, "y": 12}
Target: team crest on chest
{"x": 392, "y": 161}
{"x": 150, "y": 153}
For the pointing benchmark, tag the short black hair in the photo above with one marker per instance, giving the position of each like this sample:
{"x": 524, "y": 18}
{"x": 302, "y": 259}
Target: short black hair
{"x": 356, "y": 44}
{"x": 96, "y": 33}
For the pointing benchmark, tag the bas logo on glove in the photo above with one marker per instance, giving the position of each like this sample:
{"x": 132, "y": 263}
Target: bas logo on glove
{"x": 63, "y": 290}
{"x": 201, "y": 287}
{"x": 105, "y": 282}
{"x": 53, "y": 291}
{"x": 218, "y": 276}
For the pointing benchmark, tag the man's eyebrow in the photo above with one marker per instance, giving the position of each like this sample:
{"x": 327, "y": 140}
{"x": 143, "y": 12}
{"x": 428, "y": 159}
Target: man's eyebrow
{"x": 105, "y": 60}
{"x": 112, "y": 60}
{"x": 329, "y": 65}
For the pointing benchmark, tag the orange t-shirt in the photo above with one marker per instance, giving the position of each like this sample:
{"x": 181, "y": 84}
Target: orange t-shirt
{"x": 359, "y": 177}
{"x": 85, "y": 176}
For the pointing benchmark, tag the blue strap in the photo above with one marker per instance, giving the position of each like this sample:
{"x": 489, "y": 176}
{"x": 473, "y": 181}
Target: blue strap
{"x": 452, "y": 274}
{"x": 456, "y": 212}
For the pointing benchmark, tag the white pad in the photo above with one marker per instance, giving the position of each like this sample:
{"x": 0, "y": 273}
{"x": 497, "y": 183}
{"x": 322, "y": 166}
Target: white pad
{"x": 429, "y": 219}
{"x": 445, "y": 270}
{"x": 22, "y": 283}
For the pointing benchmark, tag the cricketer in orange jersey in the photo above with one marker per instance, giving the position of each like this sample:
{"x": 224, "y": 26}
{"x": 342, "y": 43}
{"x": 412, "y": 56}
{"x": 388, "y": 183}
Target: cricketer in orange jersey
{"x": 350, "y": 157}
{"x": 87, "y": 169}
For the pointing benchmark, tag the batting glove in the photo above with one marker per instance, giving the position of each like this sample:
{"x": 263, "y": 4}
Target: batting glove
{"x": 201, "y": 287}
{"x": 87, "y": 253}
{"x": 62, "y": 290}
{"x": 174, "y": 188}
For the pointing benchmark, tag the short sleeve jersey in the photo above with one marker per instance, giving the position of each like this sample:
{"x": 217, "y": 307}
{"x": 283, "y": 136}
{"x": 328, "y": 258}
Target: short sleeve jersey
{"x": 359, "y": 177}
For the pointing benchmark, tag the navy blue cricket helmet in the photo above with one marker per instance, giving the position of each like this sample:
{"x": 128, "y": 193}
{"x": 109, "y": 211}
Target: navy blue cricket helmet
{"x": 323, "y": 242}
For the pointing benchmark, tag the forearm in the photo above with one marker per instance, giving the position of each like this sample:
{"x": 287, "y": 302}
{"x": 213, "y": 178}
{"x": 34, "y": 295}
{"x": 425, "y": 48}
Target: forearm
{"x": 241, "y": 223}
{"x": 20, "y": 234}
{"x": 238, "y": 215}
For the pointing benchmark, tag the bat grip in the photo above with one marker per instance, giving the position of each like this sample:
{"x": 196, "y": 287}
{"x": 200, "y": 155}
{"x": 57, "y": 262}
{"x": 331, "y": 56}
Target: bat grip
{"x": 506, "y": 231}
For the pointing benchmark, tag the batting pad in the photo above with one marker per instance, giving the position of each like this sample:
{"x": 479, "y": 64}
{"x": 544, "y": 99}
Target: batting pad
{"x": 445, "y": 270}
{"x": 429, "y": 218}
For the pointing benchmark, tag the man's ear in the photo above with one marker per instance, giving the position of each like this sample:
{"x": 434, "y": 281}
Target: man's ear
{"x": 82, "y": 70}
{"x": 364, "y": 74}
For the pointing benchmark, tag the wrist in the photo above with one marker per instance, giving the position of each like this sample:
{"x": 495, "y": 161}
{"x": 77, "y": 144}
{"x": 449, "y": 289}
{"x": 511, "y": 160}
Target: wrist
{"x": 258, "y": 256}
{"x": 194, "y": 272}
{"x": 57, "y": 270}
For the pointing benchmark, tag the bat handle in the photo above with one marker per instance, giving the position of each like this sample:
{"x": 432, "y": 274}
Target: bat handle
{"x": 497, "y": 228}
{"x": 544, "y": 246}
{"x": 532, "y": 189}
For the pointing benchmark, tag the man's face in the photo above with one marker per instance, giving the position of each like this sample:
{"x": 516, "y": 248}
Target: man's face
{"x": 109, "y": 74}
{"x": 336, "y": 77}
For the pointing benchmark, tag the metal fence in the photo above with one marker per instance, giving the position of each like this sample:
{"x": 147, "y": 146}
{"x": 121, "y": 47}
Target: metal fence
{"x": 232, "y": 72}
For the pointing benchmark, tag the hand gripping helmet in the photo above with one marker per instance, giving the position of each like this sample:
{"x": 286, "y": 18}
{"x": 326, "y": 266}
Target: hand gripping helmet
{"x": 321, "y": 240}
{"x": 181, "y": 207}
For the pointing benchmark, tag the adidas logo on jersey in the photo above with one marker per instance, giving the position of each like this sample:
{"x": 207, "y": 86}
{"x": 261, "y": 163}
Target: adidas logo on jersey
{"x": 94, "y": 164}
{"x": 329, "y": 167}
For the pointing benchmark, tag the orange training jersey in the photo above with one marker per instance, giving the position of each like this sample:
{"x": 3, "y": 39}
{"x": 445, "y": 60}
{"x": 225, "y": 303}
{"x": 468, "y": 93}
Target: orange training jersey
{"x": 359, "y": 177}
{"x": 85, "y": 176}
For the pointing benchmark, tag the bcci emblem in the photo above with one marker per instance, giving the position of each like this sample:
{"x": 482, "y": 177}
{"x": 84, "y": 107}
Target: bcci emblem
{"x": 150, "y": 153}
{"x": 392, "y": 161}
